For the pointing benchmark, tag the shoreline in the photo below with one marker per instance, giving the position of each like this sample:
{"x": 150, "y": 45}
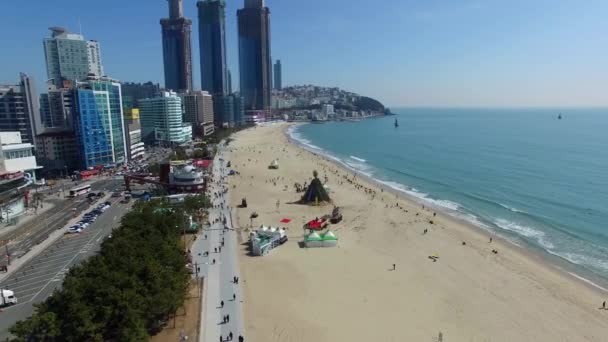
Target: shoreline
{"x": 447, "y": 278}
{"x": 545, "y": 259}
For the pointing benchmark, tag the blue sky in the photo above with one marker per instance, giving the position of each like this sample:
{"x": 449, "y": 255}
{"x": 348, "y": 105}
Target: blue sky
{"x": 403, "y": 52}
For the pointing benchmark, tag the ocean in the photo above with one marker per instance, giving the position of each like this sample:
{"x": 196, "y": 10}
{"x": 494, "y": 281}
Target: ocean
{"x": 539, "y": 182}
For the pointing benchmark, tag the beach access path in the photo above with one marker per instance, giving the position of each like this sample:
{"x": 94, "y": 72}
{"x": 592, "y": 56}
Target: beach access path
{"x": 219, "y": 284}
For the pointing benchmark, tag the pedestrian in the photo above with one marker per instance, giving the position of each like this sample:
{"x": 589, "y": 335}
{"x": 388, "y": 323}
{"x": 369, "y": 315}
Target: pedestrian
{"x": 215, "y": 250}
{"x": 230, "y": 335}
{"x": 490, "y": 240}
{"x": 214, "y": 261}
{"x": 234, "y": 298}
{"x": 222, "y": 304}
{"x": 604, "y": 305}
{"x": 221, "y": 340}
{"x": 227, "y": 316}
{"x": 394, "y": 267}
{"x": 241, "y": 338}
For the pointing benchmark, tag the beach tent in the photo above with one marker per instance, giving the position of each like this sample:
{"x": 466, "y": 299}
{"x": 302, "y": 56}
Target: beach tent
{"x": 274, "y": 165}
{"x": 313, "y": 240}
{"x": 329, "y": 239}
{"x": 315, "y": 224}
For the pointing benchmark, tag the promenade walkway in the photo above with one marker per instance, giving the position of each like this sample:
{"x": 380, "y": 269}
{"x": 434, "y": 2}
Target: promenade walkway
{"x": 219, "y": 276}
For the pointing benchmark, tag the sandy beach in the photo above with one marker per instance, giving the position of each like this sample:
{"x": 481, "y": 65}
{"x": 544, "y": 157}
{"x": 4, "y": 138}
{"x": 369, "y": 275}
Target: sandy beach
{"x": 351, "y": 293}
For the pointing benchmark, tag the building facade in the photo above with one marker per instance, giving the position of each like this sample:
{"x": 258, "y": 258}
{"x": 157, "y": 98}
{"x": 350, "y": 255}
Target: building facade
{"x": 177, "y": 49}
{"x": 132, "y": 93}
{"x": 254, "y": 55}
{"x": 212, "y": 42}
{"x": 278, "y": 75}
{"x": 135, "y": 145}
{"x": 17, "y": 156}
{"x": 230, "y": 111}
{"x": 162, "y": 120}
{"x": 199, "y": 111}
{"x": 69, "y": 57}
{"x": 58, "y": 152}
{"x": 99, "y": 123}
{"x": 20, "y": 109}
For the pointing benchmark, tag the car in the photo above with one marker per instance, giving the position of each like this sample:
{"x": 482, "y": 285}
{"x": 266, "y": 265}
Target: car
{"x": 108, "y": 203}
{"x": 101, "y": 194}
{"x": 74, "y": 230}
{"x": 91, "y": 195}
{"x": 83, "y": 224}
{"x": 116, "y": 194}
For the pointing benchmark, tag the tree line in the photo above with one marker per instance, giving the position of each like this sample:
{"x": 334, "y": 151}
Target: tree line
{"x": 128, "y": 291}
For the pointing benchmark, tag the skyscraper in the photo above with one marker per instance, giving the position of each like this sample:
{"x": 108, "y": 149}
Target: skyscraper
{"x": 254, "y": 55}
{"x": 20, "y": 109}
{"x": 177, "y": 49}
{"x": 278, "y": 75}
{"x": 70, "y": 58}
{"x": 212, "y": 41}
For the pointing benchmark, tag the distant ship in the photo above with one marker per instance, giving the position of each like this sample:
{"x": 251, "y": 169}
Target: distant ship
{"x": 396, "y": 123}
{"x": 559, "y": 117}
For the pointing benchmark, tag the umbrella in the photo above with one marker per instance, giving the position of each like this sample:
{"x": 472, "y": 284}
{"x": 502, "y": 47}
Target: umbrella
{"x": 285, "y": 220}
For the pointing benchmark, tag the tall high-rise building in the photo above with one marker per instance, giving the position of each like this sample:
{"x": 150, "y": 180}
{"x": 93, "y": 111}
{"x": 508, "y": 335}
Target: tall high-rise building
{"x": 69, "y": 57}
{"x": 177, "y": 48}
{"x": 212, "y": 41}
{"x": 278, "y": 75}
{"x": 254, "y": 55}
{"x": 162, "y": 120}
{"x": 99, "y": 122}
{"x": 198, "y": 110}
{"x": 228, "y": 81}
{"x": 20, "y": 109}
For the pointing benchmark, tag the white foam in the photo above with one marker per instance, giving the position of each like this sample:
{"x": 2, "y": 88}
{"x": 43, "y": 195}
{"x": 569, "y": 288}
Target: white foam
{"x": 358, "y": 159}
{"x": 300, "y": 139}
{"x": 588, "y": 281}
{"x": 584, "y": 260}
{"x": 526, "y": 231}
{"x": 421, "y": 196}
{"x": 515, "y": 210}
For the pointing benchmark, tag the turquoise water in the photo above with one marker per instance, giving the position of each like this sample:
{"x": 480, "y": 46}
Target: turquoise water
{"x": 536, "y": 180}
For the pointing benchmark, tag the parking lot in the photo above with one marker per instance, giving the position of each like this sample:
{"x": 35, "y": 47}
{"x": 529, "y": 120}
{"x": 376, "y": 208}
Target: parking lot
{"x": 36, "y": 280}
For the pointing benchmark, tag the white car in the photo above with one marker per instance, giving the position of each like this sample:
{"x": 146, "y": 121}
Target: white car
{"x": 83, "y": 224}
{"x": 74, "y": 230}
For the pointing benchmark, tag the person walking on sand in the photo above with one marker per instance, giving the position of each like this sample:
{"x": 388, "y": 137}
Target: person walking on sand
{"x": 604, "y": 305}
{"x": 394, "y": 267}
{"x": 234, "y": 298}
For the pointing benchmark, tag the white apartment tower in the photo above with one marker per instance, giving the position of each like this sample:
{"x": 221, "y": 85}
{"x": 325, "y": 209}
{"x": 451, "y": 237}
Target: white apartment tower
{"x": 69, "y": 57}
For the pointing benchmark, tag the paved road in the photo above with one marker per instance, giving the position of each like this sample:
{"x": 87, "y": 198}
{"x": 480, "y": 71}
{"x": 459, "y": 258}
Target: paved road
{"x": 37, "y": 279}
{"x": 34, "y": 232}
{"x": 219, "y": 285}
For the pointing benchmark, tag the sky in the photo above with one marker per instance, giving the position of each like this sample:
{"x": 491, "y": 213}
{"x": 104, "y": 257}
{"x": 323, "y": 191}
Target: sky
{"x": 441, "y": 53}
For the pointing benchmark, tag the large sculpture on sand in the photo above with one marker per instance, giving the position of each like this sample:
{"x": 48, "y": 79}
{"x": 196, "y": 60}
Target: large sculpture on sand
{"x": 315, "y": 193}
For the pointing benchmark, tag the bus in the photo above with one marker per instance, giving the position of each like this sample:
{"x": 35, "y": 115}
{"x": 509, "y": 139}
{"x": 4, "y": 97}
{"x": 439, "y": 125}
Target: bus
{"x": 80, "y": 190}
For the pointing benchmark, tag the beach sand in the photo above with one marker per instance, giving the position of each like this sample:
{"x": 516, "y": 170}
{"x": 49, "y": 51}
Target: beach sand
{"x": 350, "y": 293}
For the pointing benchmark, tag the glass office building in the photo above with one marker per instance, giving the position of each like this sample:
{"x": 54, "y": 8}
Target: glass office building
{"x": 99, "y": 123}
